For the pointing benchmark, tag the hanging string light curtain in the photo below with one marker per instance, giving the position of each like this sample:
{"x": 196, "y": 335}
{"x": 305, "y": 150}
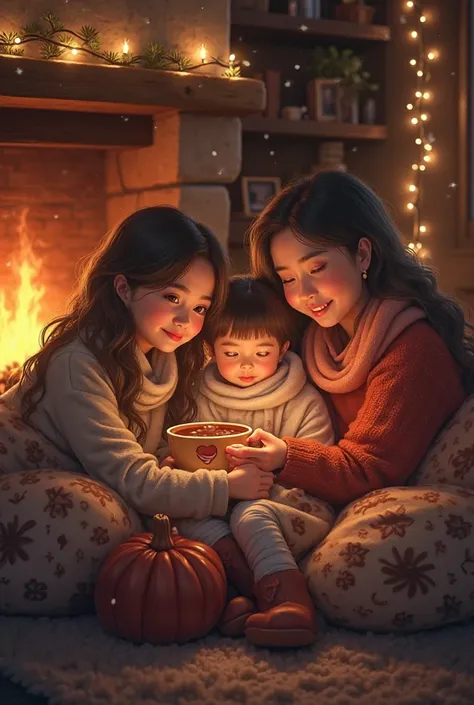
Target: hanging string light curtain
{"x": 419, "y": 116}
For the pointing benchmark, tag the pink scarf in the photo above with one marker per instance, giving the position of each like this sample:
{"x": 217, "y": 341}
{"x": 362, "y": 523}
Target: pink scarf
{"x": 337, "y": 369}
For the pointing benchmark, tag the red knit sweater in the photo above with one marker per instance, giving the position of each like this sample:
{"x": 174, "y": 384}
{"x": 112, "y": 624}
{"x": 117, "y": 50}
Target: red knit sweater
{"x": 386, "y": 426}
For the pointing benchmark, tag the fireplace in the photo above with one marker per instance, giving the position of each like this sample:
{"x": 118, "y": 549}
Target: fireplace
{"x": 83, "y": 144}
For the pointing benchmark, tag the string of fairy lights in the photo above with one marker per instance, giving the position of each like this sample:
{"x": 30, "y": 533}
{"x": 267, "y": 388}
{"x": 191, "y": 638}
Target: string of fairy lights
{"x": 419, "y": 116}
{"x": 59, "y": 42}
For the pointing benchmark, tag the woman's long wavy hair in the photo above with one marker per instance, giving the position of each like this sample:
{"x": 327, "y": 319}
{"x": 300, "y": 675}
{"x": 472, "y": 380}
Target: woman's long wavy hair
{"x": 152, "y": 248}
{"x": 337, "y": 209}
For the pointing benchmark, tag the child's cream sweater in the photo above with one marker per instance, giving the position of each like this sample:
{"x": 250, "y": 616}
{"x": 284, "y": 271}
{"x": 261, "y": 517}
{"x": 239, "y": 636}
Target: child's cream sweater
{"x": 79, "y": 415}
{"x": 285, "y": 404}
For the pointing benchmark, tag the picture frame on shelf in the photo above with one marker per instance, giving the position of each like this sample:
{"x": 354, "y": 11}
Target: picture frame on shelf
{"x": 257, "y": 191}
{"x": 324, "y": 99}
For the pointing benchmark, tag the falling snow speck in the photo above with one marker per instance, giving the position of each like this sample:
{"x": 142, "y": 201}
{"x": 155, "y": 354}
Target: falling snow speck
{"x": 403, "y": 19}
{"x": 55, "y": 216}
{"x": 354, "y": 149}
{"x": 304, "y": 28}
{"x": 19, "y": 71}
{"x": 214, "y": 153}
{"x": 297, "y": 67}
{"x": 113, "y": 601}
{"x": 453, "y": 184}
{"x": 246, "y": 63}
{"x": 220, "y": 172}
{"x": 266, "y": 136}
{"x": 272, "y": 153}
{"x": 287, "y": 84}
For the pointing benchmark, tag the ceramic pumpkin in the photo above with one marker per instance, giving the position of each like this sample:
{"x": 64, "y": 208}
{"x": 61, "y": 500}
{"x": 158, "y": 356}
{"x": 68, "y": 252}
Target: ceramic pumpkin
{"x": 159, "y": 588}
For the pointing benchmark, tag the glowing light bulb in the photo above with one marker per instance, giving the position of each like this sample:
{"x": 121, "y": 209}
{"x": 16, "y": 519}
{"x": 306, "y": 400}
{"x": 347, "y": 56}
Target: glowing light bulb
{"x": 410, "y": 206}
{"x": 424, "y": 116}
{"x": 418, "y": 140}
{"x": 422, "y": 228}
{"x": 427, "y": 158}
{"x": 412, "y": 188}
{"x": 428, "y": 147}
{"x": 203, "y": 53}
{"x": 412, "y": 62}
{"x": 17, "y": 40}
{"x": 410, "y": 4}
{"x": 419, "y": 74}
{"x": 414, "y": 34}
{"x": 418, "y": 94}
{"x": 409, "y": 106}
{"x": 232, "y": 58}
{"x": 74, "y": 52}
{"x": 423, "y": 18}
{"x": 125, "y": 47}
{"x": 411, "y": 246}
{"x": 419, "y": 246}
{"x": 426, "y": 95}
{"x": 431, "y": 55}
{"x": 414, "y": 167}
{"x": 422, "y": 167}
{"x": 414, "y": 121}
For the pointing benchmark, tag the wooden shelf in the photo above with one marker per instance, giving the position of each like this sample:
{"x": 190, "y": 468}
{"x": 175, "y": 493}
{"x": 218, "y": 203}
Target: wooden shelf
{"x": 96, "y": 88}
{"x": 274, "y": 24}
{"x": 311, "y": 128}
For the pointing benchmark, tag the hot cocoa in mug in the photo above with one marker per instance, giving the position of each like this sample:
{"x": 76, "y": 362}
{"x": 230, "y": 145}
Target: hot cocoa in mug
{"x": 202, "y": 444}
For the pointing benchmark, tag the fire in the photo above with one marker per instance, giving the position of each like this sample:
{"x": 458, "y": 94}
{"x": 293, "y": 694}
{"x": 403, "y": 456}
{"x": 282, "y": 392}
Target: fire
{"x": 20, "y": 327}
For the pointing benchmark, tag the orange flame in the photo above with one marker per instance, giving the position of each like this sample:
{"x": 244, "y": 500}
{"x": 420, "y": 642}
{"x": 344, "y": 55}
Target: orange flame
{"x": 20, "y": 327}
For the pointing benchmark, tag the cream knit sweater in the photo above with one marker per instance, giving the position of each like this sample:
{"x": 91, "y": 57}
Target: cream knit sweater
{"x": 285, "y": 404}
{"x": 79, "y": 415}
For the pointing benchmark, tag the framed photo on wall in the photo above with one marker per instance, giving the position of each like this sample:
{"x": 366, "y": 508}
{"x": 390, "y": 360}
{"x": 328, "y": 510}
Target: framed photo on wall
{"x": 257, "y": 191}
{"x": 324, "y": 99}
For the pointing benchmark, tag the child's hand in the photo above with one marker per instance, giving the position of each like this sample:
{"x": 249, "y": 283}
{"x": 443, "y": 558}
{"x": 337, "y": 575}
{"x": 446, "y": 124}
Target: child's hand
{"x": 269, "y": 457}
{"x": 169, "y": 461}
{"x": 249, "y": 482}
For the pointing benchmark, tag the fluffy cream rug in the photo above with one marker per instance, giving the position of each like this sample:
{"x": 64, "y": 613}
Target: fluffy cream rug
{"x": 73, "y": 662}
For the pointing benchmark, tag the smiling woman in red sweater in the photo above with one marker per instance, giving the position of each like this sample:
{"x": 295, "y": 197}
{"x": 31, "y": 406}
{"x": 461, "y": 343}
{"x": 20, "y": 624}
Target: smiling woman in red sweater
{"x": 390, "y": 352}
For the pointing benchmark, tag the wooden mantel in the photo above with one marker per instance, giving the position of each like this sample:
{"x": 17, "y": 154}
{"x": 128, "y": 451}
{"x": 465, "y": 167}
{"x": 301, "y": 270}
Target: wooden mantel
{"x": 30, "y": 85}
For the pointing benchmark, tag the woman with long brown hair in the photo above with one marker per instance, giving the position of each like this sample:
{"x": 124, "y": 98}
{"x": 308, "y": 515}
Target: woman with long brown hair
{"x": 392, "y": 354}
{"x": 121, "y": 365}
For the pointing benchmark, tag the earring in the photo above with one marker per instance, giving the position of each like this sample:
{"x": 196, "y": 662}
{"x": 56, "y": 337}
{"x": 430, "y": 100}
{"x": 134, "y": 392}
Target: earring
{"x": 364, "y": 275}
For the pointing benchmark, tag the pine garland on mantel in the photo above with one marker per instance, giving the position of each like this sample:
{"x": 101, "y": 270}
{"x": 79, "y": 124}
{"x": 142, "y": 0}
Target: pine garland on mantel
{"x": 55, "y": 39}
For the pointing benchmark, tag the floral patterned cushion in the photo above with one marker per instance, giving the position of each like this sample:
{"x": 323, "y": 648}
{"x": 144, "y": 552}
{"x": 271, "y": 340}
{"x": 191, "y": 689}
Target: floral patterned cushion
{"x": 399, "y": 559}
{"x": 451, "y": 458}
{"x": 56, "y": 528}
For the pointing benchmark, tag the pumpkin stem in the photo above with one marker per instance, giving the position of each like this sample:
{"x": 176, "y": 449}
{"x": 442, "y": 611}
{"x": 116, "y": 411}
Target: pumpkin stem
{"x": 161, "y": 539}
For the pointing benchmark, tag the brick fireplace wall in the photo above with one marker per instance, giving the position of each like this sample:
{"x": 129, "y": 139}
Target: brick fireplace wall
{"x": 63, "y": 191}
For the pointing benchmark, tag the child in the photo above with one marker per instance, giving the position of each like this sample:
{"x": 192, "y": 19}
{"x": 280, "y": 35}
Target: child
{"x": 122, "y": 360}
{"x": 254, "y": 379}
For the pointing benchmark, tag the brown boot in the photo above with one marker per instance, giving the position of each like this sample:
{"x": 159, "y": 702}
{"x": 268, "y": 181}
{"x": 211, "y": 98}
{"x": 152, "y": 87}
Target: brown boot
{"x": 232, "y": 620}
{"x": 286, "y": 614}
{"x": 235, "y": 565}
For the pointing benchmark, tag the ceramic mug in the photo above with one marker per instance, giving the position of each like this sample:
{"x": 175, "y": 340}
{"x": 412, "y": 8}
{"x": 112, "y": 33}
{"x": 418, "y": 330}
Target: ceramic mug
{"x": 202, "y": 444}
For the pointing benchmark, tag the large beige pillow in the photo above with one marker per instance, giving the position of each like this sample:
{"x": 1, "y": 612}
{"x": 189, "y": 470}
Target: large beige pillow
{"x": 56, "y": 529}
{"x": 450, "y": 460}
{"x": 399, "y": 559}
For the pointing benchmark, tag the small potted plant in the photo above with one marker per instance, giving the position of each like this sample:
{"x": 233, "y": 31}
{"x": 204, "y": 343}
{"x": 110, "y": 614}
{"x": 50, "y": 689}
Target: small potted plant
{"x": 347, "y": 68}
{"x": 354, "y": 11}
